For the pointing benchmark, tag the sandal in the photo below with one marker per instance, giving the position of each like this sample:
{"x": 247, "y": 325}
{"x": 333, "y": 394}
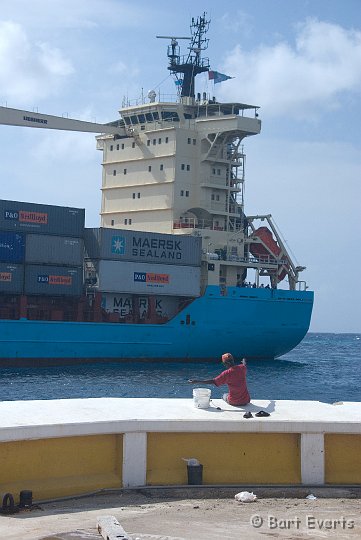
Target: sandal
{"x": 262, "y": 413}
{"x": 248, "y": 415}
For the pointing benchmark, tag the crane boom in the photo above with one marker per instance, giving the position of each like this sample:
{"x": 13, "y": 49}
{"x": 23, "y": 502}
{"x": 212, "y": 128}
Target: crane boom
{"x": 17, "y": 117}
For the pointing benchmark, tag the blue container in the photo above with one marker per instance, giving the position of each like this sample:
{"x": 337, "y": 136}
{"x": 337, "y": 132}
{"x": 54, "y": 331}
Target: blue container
{"x": 11, "y": 278}
{"x": 41, "y": 218}
{"x": 53, "y": 280}
{"x": 12, "y": 247}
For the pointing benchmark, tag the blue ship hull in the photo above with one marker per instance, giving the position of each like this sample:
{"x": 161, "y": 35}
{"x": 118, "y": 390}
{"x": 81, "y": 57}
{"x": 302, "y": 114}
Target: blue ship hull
{"x": 255, "y": 323}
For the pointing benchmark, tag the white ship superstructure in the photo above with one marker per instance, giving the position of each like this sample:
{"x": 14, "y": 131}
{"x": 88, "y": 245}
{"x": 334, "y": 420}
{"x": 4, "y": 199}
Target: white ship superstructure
{"x": 180, "y": 169}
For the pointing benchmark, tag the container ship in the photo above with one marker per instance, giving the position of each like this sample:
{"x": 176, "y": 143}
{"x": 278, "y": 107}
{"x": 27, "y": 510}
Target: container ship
{"x": 176, "y": 271}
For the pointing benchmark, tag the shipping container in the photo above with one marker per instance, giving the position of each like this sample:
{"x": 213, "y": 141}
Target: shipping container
{"x": 50, "y": 249}
{"x": 53, "y": 280}
{"x": 141, "y": 278}
{"x": 165, "y": 306}
{"x": 124, "y": 245}
{"x": 11, "y": 278}
{"x": 41, "y": 218}
{"x": 12, "y": 247}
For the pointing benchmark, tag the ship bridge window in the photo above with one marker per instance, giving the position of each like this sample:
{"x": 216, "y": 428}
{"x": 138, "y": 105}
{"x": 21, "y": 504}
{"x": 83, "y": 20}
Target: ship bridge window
{"x": 187, "y": 116}
{"x": 149, "y": 117}
{"x": 127, "y": 120}
{"x": 148, "y": 142}
{"x": 141, "y": 118}
{"x": 156, "y": 115}
{"x": 134, "y": 119}
{"x": 170, "y": 115}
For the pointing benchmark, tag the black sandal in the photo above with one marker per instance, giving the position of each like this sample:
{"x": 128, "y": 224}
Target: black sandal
{"x": 248, "y": 415}
{"x": 262, "y": 413}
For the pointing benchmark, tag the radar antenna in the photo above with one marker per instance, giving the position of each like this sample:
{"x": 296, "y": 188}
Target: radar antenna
{"x": 192, "y": 64}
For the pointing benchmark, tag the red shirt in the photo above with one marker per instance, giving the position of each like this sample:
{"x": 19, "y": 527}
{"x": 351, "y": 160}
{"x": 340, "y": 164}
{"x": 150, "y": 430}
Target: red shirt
{"x": 235, "y": 377}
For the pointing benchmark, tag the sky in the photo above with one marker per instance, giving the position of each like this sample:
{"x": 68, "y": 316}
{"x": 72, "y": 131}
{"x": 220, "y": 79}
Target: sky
{"x": 299, "y": 60}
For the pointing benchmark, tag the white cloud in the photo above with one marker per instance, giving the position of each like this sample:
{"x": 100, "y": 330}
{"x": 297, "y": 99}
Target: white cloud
{"x": 28, "y": 70}
{"x": 301, "y": 79}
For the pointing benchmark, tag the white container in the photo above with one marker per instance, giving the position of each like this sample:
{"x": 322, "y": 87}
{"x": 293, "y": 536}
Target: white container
{"x": 201, "y": 398}
{"x": 140, "y": 278}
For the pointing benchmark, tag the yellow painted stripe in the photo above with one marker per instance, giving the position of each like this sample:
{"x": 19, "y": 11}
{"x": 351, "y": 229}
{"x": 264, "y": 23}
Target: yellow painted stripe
{"x": 342, "y": 459}
{"x": 61, "y": 467}
{"x": 227, "y": 458}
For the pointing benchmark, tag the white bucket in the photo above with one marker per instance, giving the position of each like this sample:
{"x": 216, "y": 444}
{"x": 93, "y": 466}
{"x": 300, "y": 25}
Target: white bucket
{"x": 201, "y": 398}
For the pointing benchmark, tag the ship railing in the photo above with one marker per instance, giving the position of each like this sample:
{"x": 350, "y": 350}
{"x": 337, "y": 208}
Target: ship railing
{"x": 144, "y": 100}
{"x": 190, "y": 59}
{"x": 258, "y": 261}
{"x": 193, "y": 223}
{"x": 302, "y": 286}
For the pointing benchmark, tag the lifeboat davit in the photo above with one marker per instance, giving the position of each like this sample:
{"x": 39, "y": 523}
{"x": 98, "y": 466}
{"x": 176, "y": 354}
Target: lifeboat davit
{"x": 260, "y": 251}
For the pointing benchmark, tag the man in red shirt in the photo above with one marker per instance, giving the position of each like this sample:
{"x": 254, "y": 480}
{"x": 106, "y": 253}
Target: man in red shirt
{"x": 235, "y": 377}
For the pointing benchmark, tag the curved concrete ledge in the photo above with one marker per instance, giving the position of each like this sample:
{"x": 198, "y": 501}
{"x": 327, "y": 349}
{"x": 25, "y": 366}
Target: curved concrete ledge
{"x": 69, "y": 417}
{"x": 68, "y": 447}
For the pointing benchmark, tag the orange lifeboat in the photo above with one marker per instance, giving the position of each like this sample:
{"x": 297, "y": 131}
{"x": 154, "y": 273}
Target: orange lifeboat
{"x": 261, "y": 252}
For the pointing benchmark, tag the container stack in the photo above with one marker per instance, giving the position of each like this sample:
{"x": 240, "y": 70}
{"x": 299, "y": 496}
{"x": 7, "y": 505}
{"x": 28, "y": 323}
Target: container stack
{"x": 41, "y": 249}
{"x": 126, "y": 265}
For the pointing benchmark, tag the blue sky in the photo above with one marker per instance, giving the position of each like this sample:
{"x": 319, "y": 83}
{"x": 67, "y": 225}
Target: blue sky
{"x": 299, "y": 60}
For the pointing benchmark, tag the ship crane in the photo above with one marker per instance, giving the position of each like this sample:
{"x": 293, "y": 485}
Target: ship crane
{"x": 18, "y": 117}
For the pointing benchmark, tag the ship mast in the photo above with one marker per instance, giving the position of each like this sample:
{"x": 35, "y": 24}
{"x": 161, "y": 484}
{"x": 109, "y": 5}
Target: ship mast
{"x": 192, "y": 64}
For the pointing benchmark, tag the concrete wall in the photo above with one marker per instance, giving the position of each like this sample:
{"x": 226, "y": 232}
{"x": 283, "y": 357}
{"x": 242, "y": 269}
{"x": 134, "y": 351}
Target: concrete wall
{"x": 67, "y": 447}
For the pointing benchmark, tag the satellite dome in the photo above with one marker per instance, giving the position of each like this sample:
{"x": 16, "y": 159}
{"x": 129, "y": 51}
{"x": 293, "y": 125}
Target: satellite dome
{"x": 152, "y": 95}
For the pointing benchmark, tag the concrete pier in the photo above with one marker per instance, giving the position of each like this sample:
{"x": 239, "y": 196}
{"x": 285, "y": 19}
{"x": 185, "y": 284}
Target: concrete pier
{"x": 69, "y": 447}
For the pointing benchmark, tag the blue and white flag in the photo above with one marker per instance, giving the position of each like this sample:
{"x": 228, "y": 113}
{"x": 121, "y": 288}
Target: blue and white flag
{"x": 217, "y": 77}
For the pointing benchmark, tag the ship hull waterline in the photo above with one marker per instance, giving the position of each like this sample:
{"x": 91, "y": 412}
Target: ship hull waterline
{"x": 255, "y": 323}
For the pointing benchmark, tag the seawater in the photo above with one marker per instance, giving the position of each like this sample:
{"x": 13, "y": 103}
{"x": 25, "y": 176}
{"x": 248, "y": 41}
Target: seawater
{"x": 324, "y": 367}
